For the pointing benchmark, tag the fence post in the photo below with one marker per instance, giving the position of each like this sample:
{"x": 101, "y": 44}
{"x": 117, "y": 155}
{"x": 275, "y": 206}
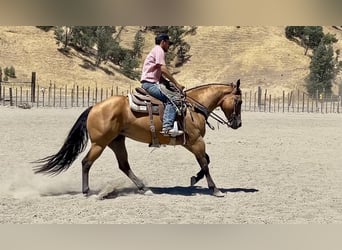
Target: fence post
{"x": 265, "y": 99}
{"x": 245, "y": 101}
{"x": 16, "y": 97}
{"x": 250, "y": 99}
{"x": 60, "y": 97}
{"x": 82, "y": 96}
{"x": 33, "y": 87}
{"x": 278, "y": 104}
{"x": 270, "y": 104}
{"x": 316, "y": 100}
{"x": 72, "y": 97}
{"x": 21, "y": 95}
{"x": 37, "y": 96}
{"x": 298, "y": 101}
{"x": 4, "y": 95}
{"x": 255, "y": 98}
{"x": 43, "y": 93}
{"x": 49, "y": 94}
{"x": 11, "y": 96}
{"x": 259, "y": 98}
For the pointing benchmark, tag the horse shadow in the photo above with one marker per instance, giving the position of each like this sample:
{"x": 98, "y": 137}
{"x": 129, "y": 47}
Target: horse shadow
{"x": 177, "y": 190}
{"x": 194, "y": 190}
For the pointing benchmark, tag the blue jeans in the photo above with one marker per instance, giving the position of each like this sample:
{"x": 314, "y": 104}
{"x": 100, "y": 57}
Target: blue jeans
{"x": 170, "y": 110}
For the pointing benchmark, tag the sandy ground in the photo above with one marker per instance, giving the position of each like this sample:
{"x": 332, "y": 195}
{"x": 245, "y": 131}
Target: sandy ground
{"x": 277, "y": 168}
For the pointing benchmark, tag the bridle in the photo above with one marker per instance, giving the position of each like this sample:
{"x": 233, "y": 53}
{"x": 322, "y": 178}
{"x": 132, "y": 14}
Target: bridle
{"x": 234, "y": 115}
{"x": 203, "y": 110}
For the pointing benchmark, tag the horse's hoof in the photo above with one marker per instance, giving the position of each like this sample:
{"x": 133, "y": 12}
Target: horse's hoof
{"x": 148, "y": 192}
{"x": 145, "y": 191}
{"x": 218, "y": 193}
{"x": 192, "y": 181}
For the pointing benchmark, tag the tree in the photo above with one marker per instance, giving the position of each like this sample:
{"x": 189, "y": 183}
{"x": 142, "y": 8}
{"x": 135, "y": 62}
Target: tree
{"x": 10, "y": 72}
{"x": 62, "y": 36}
{"x": 105, "y": 43}
{"x": 322, "y": 70}
{"x": 128, "y": 66}
{"x": 312, "y": 36}
{"x": 83, "y": 37}
{"x": 292, "y": 32}
{"x": 138, "y": 44}
{"x": 309, "y": 36}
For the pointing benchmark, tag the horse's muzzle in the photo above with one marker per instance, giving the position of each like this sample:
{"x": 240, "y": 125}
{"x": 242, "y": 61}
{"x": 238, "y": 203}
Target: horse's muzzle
{"x": 235, "y": 122}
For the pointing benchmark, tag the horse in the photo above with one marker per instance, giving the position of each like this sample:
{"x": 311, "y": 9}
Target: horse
{"x": 108, "y": 123}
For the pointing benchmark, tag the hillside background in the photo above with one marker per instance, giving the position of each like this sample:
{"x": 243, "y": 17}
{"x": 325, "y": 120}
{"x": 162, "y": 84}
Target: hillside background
{"x": 259, "y": 56}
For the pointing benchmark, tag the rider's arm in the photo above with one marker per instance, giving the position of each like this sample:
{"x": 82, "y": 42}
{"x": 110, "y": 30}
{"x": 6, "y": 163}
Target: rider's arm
{"x": 168, "y": 75}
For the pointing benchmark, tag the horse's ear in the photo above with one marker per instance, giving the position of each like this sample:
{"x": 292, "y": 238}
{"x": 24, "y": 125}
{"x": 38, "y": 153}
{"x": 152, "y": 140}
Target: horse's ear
{"x": 238, "y": 84}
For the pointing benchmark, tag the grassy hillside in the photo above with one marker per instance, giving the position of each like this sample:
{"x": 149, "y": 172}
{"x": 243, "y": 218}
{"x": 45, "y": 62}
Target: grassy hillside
{"x": 30, "y": 49}
{"x": 257, "y": 55}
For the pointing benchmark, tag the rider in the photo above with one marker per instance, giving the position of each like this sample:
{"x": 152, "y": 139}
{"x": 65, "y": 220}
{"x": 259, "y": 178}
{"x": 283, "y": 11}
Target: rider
{"x": 153, "y": 69}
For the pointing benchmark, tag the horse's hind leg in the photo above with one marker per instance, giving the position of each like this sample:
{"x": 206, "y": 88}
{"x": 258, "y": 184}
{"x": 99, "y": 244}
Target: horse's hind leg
{"x": 119, "y": 148}
{"x": 94, "y": 152}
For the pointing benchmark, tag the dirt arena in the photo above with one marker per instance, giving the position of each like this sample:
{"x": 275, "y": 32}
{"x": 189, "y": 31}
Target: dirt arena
{"x": 277, "y": 168}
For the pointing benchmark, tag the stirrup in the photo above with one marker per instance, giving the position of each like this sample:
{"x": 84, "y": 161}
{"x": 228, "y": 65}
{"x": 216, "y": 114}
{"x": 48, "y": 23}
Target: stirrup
{"x": 171, "y": 132}
{"x": 174, "y": 133}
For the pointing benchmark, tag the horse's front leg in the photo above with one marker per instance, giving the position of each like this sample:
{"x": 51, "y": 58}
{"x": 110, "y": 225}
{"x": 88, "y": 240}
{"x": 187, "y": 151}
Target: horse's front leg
{"x": 199, "y": 175}
{"x": 198, "y": 149}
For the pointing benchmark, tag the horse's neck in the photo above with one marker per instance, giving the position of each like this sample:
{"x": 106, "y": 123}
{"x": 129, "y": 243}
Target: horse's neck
{"x": 209, "y": 97}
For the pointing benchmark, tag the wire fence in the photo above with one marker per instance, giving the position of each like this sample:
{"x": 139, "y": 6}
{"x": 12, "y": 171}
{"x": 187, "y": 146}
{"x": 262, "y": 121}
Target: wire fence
{"x": 57, "y": 97}
{"x": 293, "y": 101}
{"x": 27, "y": 94}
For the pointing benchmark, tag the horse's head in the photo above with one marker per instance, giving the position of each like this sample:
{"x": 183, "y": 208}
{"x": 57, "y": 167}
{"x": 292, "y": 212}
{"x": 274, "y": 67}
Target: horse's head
{"x": 231, "y": 106}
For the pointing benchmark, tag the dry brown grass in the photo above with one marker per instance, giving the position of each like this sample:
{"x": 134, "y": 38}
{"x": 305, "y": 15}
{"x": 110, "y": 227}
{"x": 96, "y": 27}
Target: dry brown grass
{"x": 257, "y": 55}
{"x": 29, "y": 49}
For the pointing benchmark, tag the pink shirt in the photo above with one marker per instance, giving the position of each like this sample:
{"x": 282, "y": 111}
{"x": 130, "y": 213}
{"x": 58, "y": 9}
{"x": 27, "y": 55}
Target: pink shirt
{"x": 151, "y": 69}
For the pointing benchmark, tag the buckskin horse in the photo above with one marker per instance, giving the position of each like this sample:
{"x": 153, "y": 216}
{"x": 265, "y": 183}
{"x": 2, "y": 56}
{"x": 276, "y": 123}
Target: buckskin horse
{"x": 109, "y": 122}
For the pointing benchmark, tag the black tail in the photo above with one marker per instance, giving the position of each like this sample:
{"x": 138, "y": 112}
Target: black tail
{"x": 74, "y": 144}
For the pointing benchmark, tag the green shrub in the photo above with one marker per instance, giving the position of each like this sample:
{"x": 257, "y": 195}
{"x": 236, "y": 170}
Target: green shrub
{"x": 10, "y": 72}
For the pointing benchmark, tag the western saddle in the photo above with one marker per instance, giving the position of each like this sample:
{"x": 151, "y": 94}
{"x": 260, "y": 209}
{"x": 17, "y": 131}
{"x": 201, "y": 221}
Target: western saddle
{"x": 140, "y": 101}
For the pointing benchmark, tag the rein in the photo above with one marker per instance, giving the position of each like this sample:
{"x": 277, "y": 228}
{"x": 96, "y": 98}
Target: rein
{"x": 203, "y": 110}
